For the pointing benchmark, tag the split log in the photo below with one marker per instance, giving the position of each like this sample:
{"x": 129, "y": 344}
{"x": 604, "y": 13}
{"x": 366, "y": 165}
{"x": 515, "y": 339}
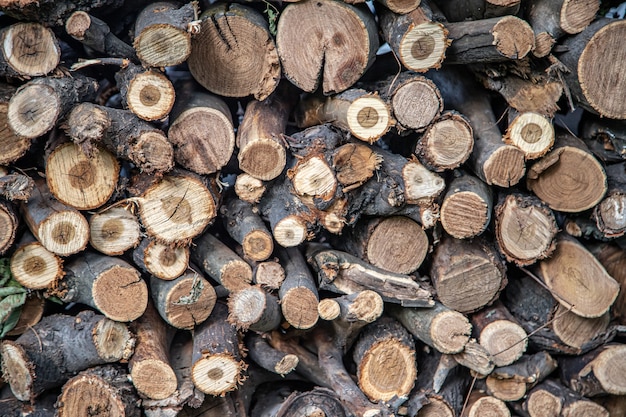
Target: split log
{"x": 106, "y": 284}
{"x": 201, "y": 130}
{"x": 28, "y": 50}
{"x": 184, "y": 302}
{"x": 223, "y": 63}
{"x": 396, "y": 244}
{"x": 481, "y": 404}
{"x": 79, "y": 181}
{"x": 609, "y": 213}
{"x": 364, "y": 114}
{"x": 162, "y": 37}
{"x": 114, "y": 231}
{"x": 332, "y": 58}
{"x": 149, "y": 367}
{"x": 499, "y": 332}
{"x": 96, "y": 35}
{"x": 217, "y": 365}
{"x": 525, "y": 228}
{"x": 100, "y": 388}
{"x": 467, "y": 207}
{"x": 298, "y": 292}
{"x": 467, "y": 275}
{"x": 444, "y": 329}
{"x": 123, "y": 134}
{"x": 568, "y": 178}
{"x": 61, "y": 229}
{"x": 221, "y": 263}
{"x": 572, "y": 266}
{"x": 553, "y": 19}
{"x": 531, "y": 132}
{"x": 9, "y": 221}
{"x": 147, "y": 93}
{"x": 247, "y": 228}
{"x": 58, "y": 347}
{"x": 385, "y": 359}
{"x": 269, "y": 274}
{"x": 511, "y": 383}
{"x": 489, "y": 40}
{"x": 35, "y": 267}
{"x": 249, "y": 188}
{"x": 12, "y": 146}
{"x": 416, "y": 39}
{"x": 254, "y": 309}
{"x": 262, "y": 152}
{"x": 477, "y": 9}
{"x": 552, "y": 399}
{"x": 475, "y": 357}
{"x": 446, "y": 143}
{"x": 613, "y": 259}
{"x": 597, "y": 372}
{"x": 163, "y": 261}
{"x": 343, "y": 273}
{"x": 36, "y": 106}
{"x": 591, "y": 73}
{"x": 264, "y": 355}
{"x": 178, "y": 208}
{"x": 492, "y": 160}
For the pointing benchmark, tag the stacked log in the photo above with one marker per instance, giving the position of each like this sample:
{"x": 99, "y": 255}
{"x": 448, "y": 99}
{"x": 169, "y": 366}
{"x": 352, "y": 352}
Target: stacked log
{"x": 256, "y": 210}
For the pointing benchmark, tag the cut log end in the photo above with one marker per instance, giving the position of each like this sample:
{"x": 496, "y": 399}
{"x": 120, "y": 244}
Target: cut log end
{"x": 64, "y": 233}
{"x": 421, "y": 184}
{"x": 116, "y": 285}
{"x": 576, "y": 15}
{"x": 113, "y": 341}
{"x": 450, "y": 332}
{"x": 263, "y": 159}
{"x": 33, "y": 110}
{"x": 31, "y": 49}
{"x": 505, "y": 341}
{"x": 543, "y": 44}
{"x": 576, "y": 331}
{"x": 447, "y": 143}
{"x": 85, "y": 393}
{"x": 355, "y": 164}
{"x": 153, "y": 153}
{"x": 162, "y": 45}
{"x": 287, "y": 364}
{"x": 77, "y": 24}
{"x": 249, "y": 188}
{"x": 585, "y": 408}
{"x": 423, "y": 46}
{"x": 328, "y": 309}
{"x": 313, "y": 177}
{"x": 290, "y": 231}
{"x": 368, "y": 118}
{"x": 505, "y": 167}
{"x": 35, "y": 267}
{"x": 166, "y": 262}
{"x": 150, "y": 95}
{"x": 366, "y": 307}
{"x": 532, "y": 133}
{"x": 189, "y": 302}
{"x": 114, "y": 231}
{"x": 299, "y": 307}
{"x": 216, "y": 374}
{"x": 488, "y": 407}
{"x": 416, "y": 103}
{"x": 397, "y": 244}
{"x": 512, "y": 389}
{"x": 401, "y": 6}
{"x": 258, "y": 245}
{"x": 387, "y": 371}
{"x": 154, "y": 379}
{"x": 236, "y": 275}
{"x": 543, "y": 403}
{"x": 436, "y": 408}
{"x": 465, "y": 214}
{"x": 513, "y": 37}
{"x": 17, "y": 371}
{"x": 269, "y": 274}
{"x": 250, "y": 308}
{"x": 609, "y": 369}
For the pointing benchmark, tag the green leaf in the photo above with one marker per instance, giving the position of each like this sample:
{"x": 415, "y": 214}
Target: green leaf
{"x": 9, "y": 304}
{"x": 10, "y": 322}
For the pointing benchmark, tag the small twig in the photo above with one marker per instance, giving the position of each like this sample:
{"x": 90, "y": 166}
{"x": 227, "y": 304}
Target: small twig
{"x": 120, "y": 62}
{"x": 468, "y": 394}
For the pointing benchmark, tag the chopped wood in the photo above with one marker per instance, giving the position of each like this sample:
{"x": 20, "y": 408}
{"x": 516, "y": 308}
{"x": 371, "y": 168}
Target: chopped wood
{"x": 254, "y": 309}
{"x": 147, "y": 93}
{"x": 552, "y": 399}
{"x": 12, "y": 145}
{"x": 247, "y": 228}
{"x": 510, "y": 383}
{"x": 163, "y": 261}
{"x": 264, "y": 355}
{"x": 609, "y": 213}
{"x": 467, "y": 207}
{"x": 35, "y": 267}
{"x": 96, "y": 34}
{"x": 481, "y": 404}
{"x": 446, "y": 143}
{"x": 269, "y": 274}
{"x": 10, "y": 221}
{"x": 28, "y": 49}
{"x": 531, "y": 132}
{"x": 114, "y": 231}
{"x": 475, "y": 357}
{"x": 400, "y": 6}
{"x": 613, "y": 259}
{"x": 249, "y": 188}
{"x": 597, "y": 372}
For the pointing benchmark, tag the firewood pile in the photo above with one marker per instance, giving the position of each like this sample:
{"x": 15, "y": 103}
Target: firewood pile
{"x": 312, "y": 208}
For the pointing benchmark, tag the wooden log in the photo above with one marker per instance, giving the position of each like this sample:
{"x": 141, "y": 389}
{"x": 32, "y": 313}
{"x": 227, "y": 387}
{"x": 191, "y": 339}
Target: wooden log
{"x": 478, "y": 9}
{"x": 551, "y": 398}
{"x": 609, "y": 213}
{"x": 262, "y": 152}
{"x": 12, "y": 146}
{"x": 444, "y": 329}
{"x": 269, "y": 274}
{"x": 79, "y": 181}
{"x": 28, "y": 50}
{"x": 595, "y": 373}
{"x": 9, "y": 221}
{"x": 217, "y": 365}
{"x": 249, "y": 188}
{"x": 489, "y": 40}
{"x": 362, "y": 113}
{"x": 227, "y": 66}
{"x": 319, "y": 401}
{"x": 590, "y": 71}
{"x": 343, "y": 273}
{"x": 149, "y": 367}
{"x": 553, "y": 19}
{"x": 613, "y": 259}
{"x": 467, "y": 275}
{"x": 37, "y": 105}
{"x": 106, "y": 387}
{"x": 385, "y": 359}
{"x": 147, "y": 93}
{"x": 332, "y": 59}
{"x": 416, "y": 38}
{"x": 354, "y": 164}
{"x": 201, "y": 130}
{"x": 467, "y": 207}
{"x": 493, "y": 161}
{"x": 298, "y": 292}
{"x": 96, "y": 35}
{"x": 114, "y": 231}
{"x": 178, "y": 207}
{"x": 446, "y": 143}
{"x": 396, "y": 244}
{"x": 123, "y": 134}
{"x": 400, "y": 6}
{"x": 499, "y": 332}
{"x": 255, "y": 309}
{"x": 572, "y": 266}
{"x": 247, "y": 228}
{"x": 475, "y": 357}
{"x": 568, "y": 178}
{"x": 162, "y": 35}
{"x": 221, "y": 263}
{"x": 525, "y": 228}
{"x": 605, "y": 138}
{"x": 51, "y": 12}
{"x": 61, "y": 229}
{"x": 58, "y": 347}
{"x": 264, "y": 355}
{"x": 163, "y": 261}
{"x": 481, "y": 404}
{"x": 35, "y": 267}
{"x": 105, "y": 283}
{"x": 531, "y": 132}
{"x": 15, "y": 186}
{"x": 184, "y": 302}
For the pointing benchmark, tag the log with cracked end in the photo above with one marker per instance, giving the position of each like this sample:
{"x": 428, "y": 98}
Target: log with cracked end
{"x": 269, "y": 274}
{"x": 234, "y": 54}
{"x": 148, "y": 93}
{"x": 446, "y": 143}
{"x": 35, "y": 267}
{"x": 58, "y": 347}
{"x": 183, "y": 302}
{"x": 29, "y": 49}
